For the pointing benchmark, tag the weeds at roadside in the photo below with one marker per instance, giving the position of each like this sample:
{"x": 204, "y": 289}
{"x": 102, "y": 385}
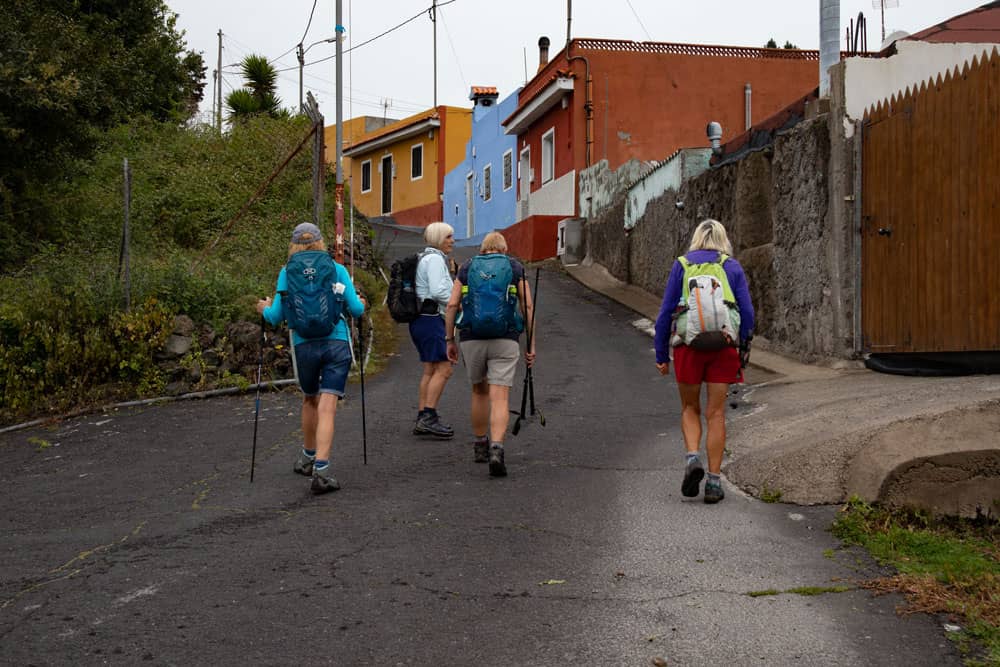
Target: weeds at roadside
{"x": 944, "y": 565}
{"x": 769, "y": 495}
{"x": 800, "y": 590}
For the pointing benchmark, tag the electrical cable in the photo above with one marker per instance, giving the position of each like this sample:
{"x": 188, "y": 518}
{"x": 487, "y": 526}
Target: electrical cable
{"x": 641, "y": 24}
{"x": 308, "y": 25}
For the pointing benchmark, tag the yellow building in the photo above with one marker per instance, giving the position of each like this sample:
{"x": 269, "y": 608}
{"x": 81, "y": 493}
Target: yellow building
{"x": 354, "y": 129}
{"x": 398, "y": 171}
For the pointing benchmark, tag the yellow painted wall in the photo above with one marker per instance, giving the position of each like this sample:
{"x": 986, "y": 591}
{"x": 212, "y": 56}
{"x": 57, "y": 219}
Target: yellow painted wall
{"x": 409, "y": 193}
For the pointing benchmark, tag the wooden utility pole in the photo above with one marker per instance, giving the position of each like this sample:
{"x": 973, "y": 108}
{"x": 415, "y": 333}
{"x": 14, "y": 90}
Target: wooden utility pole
{"x": 124, "y": 260}
{"x": 319, "y": 159}
{"x": 218, "y": 101}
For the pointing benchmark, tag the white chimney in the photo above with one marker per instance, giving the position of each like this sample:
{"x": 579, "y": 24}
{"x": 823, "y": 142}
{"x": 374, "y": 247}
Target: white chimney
{"x": 829, "y": 42}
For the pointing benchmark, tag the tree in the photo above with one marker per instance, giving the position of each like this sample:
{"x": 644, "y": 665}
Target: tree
{"x": 68, "y": 72}
{"x": 258, "y": 95}
{"x": 771, "y": 44}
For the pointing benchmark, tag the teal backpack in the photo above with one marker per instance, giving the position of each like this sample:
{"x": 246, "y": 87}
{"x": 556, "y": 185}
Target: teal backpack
{"x": 313, "y": 300}
{"x": 489, "y": 301}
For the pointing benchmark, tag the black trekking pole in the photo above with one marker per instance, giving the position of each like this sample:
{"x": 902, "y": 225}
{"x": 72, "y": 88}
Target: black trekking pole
{"x": 361, "y": 367}
{"x": 256, "y": 413}
{"x": 531, "y": 333}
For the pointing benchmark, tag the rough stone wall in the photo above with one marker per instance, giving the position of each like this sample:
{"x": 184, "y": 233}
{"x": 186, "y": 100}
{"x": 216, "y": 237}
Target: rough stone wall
{"x": 774, "y": 203}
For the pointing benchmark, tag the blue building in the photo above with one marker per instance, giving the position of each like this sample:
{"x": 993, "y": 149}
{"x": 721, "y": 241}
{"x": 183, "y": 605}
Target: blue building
{"x": 480, "y": 194}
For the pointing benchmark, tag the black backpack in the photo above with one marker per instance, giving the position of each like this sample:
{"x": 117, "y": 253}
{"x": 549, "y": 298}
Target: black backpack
{"x": 402, "y": 297}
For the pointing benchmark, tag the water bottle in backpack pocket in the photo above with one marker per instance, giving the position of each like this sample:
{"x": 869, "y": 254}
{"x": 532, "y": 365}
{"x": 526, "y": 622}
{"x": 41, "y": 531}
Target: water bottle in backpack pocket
{"x": 313, "y": 300}
{"x": 707, "y": 317}
{"x": 489, "y": 300}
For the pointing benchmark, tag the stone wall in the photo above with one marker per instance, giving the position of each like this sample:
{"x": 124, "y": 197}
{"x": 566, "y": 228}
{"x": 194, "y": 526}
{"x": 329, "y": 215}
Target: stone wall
{"x": 774, "y": 203}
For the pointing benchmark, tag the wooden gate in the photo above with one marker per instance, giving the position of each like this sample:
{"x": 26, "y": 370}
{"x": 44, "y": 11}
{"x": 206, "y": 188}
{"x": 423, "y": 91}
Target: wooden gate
{"x": 930, "y": 231}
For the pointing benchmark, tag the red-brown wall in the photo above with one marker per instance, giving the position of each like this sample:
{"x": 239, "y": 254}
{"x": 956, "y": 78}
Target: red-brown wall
{"x": 561, "y": 120}
{"x": 418, "y": 216}
{"x": 647, "y": 103}
{"x": 533, "y": 238}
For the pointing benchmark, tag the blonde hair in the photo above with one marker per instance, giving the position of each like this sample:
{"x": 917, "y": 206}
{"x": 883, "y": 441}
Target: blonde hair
{"x": 312, "y": 245}
{"x": 437, "y": 232}
{"x": 493, "y": 242}
{"x": 711, "y": 235}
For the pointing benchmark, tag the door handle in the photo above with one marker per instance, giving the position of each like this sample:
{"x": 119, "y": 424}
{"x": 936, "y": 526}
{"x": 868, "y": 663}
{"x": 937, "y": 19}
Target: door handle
{"x": 885, "y": 231}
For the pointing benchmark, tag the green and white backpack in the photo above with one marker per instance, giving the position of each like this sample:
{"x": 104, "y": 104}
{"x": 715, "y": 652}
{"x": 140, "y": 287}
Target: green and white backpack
{"x": 707, "y": 317}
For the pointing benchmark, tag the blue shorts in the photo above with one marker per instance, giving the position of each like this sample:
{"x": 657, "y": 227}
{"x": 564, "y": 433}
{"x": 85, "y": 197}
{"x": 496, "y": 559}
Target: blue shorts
{"x": 323, "y": 366}
{"x": 427, "y": 332}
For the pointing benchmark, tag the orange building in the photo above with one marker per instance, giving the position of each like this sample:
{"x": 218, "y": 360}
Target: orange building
{"x": 616, "y": 100}
{"x": 398, "y": 171}
{"x": 354, "y": 129}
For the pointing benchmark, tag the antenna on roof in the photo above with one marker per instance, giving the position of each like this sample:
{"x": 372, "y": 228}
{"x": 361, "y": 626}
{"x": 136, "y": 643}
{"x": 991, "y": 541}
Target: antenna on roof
{"x": 386, "y": 104}
{"x": 883, "y": 5}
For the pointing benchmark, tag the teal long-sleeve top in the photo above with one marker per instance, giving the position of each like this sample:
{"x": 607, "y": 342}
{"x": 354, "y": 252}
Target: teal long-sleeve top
{"x": 275, "y": 315}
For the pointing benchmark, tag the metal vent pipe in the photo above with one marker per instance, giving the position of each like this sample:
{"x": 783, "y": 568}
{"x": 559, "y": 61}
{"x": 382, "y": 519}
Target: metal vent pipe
{"x": 829, "y": 42}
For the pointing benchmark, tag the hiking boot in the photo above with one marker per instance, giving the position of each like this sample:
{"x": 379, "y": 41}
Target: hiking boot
{"x": 497, "y": 467}
{"x": 324, "y": 481}
{"x": 430, "y": 424}
{"x": 481, "y": 451}
{"x": 713, "y": 491}
{"x": 303, "y": 464}
{"x": 693, "y": 474}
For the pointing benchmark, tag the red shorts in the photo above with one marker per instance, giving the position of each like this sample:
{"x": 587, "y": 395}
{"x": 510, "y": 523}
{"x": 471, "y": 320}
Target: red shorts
{"x": 696, "y": 366}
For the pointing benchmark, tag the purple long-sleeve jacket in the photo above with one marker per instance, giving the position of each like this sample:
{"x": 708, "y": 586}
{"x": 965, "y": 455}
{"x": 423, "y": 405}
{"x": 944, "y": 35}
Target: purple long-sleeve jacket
{"x": 674, "y": 289}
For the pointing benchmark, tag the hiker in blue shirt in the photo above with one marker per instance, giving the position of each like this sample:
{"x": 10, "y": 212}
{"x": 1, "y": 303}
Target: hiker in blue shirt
{"x": 490, "y": 356}
{"x": 322, "y": 362}
{"x": 433, "y": 287}
{"x": 713, "y": 359}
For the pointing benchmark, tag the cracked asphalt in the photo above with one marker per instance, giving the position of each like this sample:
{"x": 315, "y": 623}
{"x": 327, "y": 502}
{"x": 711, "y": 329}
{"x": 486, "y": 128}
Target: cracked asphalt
{"x": 135, "y": 537}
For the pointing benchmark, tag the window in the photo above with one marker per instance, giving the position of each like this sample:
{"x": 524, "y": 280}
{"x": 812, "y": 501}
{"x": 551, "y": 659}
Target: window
{"x": 416, "y": 162}
{"x": 508, "y": 170}
{"x": 366, "y": 176}
{"x": 487, "y": 182}
{"x": 549, "y": 155}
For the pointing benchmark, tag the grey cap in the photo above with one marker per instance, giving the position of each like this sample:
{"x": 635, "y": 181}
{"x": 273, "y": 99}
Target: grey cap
{"x": 306, "y": 232}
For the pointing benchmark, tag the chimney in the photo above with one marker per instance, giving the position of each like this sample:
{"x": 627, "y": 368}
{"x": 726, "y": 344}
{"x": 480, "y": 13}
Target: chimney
{"x": 543, "y": 52}
{"x": 829, "y": 42}
{"x": 483, "y": 96}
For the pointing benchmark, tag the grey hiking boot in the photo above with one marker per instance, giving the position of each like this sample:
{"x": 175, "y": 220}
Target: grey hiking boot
{"x": 693, "y": 474}
{"x": 303, "y": 464}
{"x": 481, "y": 451}
{"x": 713, "y": 491}
{"x": 324, "y": 481}
{"x": 430, "y": 424}
{"x": 497, "y": 467}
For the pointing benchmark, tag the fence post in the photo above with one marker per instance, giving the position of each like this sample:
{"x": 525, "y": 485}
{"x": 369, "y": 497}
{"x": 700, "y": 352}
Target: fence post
{"x": 123, "y": 256}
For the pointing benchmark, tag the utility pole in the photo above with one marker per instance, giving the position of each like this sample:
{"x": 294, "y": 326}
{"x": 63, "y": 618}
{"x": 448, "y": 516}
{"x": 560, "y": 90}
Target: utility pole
{"x": 302, "y": 63}
{"x": 218, "y": 107}
{"x": 339, "y": 188}
{"x": 434, "y": 20}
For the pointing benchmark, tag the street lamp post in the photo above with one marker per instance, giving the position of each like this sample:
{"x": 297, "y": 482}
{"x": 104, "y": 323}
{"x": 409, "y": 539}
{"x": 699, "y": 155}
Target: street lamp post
{"x": 301, "y": 52}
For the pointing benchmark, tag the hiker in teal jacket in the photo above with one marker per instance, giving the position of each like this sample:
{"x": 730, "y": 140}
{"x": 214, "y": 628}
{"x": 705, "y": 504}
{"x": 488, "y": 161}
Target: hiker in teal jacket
{"x": 322, "y": 363}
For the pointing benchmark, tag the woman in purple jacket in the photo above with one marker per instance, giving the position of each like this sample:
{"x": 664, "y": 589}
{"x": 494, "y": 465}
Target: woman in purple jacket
{"x": 692, "y": 367}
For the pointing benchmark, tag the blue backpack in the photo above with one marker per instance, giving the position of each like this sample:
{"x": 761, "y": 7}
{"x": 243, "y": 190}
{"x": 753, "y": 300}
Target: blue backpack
{"x": 489, "y": 300}
{"x": 312, "y": 303}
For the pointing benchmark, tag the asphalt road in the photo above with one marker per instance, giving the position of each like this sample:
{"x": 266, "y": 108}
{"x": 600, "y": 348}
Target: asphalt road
{"x": 135, "y": 537}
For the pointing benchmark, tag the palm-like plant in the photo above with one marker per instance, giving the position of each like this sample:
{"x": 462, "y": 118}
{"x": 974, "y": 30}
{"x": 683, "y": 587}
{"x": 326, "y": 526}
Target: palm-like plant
{"x": 258, "y": 93}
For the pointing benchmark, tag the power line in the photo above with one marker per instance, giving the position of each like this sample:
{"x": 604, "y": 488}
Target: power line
{"x": 458, "y": 62}
{"x": 309, "y": 24}
{"x": 641, "y": 24}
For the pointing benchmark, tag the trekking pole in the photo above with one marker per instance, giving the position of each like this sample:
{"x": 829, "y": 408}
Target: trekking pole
{"x": 361, "y": 367}
{"x": 256, "y": 412}
{"x": 531, "y": 332}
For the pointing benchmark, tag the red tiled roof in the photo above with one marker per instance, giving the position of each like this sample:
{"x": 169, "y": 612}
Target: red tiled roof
{"x": 484, "y": 90}
{"x": 978, "y": 26}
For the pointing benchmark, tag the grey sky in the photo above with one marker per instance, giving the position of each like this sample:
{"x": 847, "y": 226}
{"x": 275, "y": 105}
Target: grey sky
{"x": 483, "y": 42}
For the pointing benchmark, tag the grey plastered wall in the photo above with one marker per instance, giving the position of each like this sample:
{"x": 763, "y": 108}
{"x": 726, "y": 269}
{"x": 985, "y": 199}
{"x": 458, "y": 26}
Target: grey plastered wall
{"x": 775, "y": 204}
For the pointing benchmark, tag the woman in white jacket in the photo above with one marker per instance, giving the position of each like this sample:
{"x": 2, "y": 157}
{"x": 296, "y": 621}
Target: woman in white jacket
{"x": 433, "y": 287}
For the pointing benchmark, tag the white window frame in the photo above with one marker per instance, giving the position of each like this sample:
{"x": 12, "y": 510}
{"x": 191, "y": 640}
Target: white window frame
{"x": 522, "y": 178}
{"x": 549, "y": 166}
{"x": 412, "y": 163}
{"x": 508, "y": 169}
{"x": 488, "y": 182}
{"x": 366, "y": 163}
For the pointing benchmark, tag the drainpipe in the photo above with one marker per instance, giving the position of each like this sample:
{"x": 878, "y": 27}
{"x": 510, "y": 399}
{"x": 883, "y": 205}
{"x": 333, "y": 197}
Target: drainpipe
{"x": 747, "y": 93}
{"x": 829, "y": 42}
{"x": 588, "y": 105}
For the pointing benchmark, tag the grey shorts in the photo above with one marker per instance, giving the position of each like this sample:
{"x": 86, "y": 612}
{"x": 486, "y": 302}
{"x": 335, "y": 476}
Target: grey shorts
{"x": 493, "y": 360}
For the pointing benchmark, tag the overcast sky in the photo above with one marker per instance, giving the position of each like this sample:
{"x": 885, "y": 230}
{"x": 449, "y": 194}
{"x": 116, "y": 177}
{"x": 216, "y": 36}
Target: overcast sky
{"x": 486, "y": 42}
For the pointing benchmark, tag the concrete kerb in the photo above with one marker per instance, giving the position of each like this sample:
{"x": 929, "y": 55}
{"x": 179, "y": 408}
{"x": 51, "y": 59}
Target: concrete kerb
{"x": 818, "y": 434}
